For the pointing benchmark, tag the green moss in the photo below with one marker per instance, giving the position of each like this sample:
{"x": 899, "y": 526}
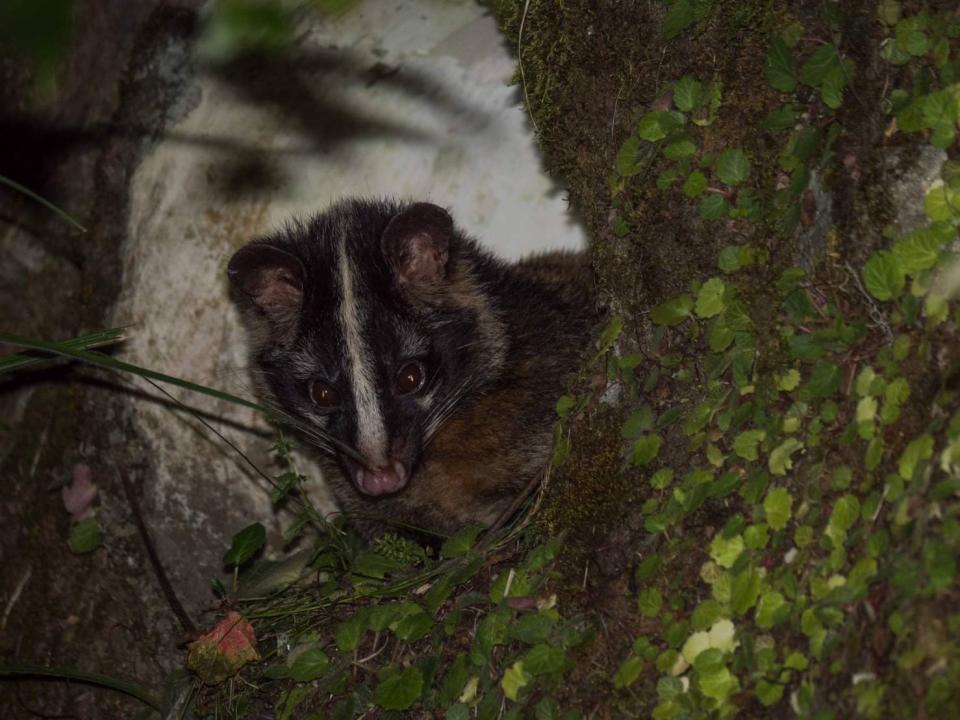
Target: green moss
{"x": 823, "y": 334}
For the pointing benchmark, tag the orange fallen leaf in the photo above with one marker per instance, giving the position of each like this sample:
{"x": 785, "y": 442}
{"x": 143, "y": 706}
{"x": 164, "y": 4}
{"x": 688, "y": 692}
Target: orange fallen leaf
{"x": 221, "y": 653}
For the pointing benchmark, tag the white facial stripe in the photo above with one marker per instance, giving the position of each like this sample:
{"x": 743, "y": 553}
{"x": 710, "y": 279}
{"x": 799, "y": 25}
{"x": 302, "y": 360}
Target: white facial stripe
{"x": 371, "y": 431}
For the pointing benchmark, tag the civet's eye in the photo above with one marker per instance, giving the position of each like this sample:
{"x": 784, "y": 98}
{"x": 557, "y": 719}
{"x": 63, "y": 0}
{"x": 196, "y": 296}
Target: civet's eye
{"x": 323, "y": 394}
{"x": 410, "y": 378}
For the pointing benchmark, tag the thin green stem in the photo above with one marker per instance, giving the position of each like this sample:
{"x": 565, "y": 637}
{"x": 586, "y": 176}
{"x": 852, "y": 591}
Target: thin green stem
{"x": 105, "y": 361}
{"x": 23, "y": 672}
{"x": 43, "y": 201}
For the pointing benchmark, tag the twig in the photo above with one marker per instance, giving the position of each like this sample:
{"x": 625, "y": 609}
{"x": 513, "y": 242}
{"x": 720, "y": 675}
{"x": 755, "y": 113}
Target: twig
{"x": 168, "y": 592}
{"x": 518, "y": 501}
{"x": 15, "y": 596}
{"x": 875, "y": 314}
{"x": 376, "y": 651}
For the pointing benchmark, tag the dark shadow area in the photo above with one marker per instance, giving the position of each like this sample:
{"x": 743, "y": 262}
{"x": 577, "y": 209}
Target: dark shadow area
{"x": 305, "y": 88}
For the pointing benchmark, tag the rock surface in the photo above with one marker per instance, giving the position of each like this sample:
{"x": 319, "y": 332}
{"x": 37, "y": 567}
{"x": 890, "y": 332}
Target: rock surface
{"x": 172, "y": 162}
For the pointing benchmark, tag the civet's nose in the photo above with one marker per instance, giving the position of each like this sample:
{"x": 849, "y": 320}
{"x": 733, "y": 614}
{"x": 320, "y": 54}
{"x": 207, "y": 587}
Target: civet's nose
{"x": 381, "y": 480}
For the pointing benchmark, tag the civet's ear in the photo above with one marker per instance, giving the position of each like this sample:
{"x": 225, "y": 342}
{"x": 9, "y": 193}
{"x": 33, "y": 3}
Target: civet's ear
{"x": 416, "y": 243}
{"x": 271, "y": 278}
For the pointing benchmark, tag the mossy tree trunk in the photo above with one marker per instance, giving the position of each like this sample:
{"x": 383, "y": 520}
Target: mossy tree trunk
{"x": 772, "y": 204}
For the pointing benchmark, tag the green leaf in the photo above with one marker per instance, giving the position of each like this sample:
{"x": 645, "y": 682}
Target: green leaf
{"x": 825, "y": 380}
{"x": 710, "y": 298}
{"x": 733, "y": 167}
{"x": 519, "y": 585}
{"x": 708, "y": 661}
{"x": 941, "y": 202}
{"x": 648, "y": 568}
{"x": 845, "y": 513}
{"x": 460, "y": 543}
{"x": 729, "y": 259}
{"x": 910, "y": 37}
{"x": 695, "y": 184}
{"x": 309, "y": 665}
{"x": 649, "y": 602}
{"x": 776, "y": 506}
{"x": 661, "y": 478}
{"x": 348, "y": 633}
{"x": 706, "y": 614}
{"x": 657, "y": 124}
{"x": 780, "y": 461}
{"x": 245, "y": 544}
{"x": 687, "y": 93}
{"x": 745, "y": 444}
{"x": 725, "y": 552}
{"x": 797, "y": 661}
{"x": 637, "y": 423}
{"x": 769, "y": 693}
{"x": 85, "y": 536}
{"x": 831, "y": 89}
{"x": 565, "y": 404}
{"x": 815, "y": 69}
{"x": 841, "y": 477}
{"x": 532, "y": 628}
{"x": 514, "y": 679}
{"x": 714, "y": 206}
{"x": 745, "y": 590}
{"x": 673, "y": 311}
{"x": 628, "y": 672}
{"x": 610, "y": 334}
{"x": 756, "y": 536}
{"x": 666, "y": 178}
{"x": 454, "y": 680}
{"x": 413, "y": 626}
{"x": 649, "y": 127}
{"x": 543, "y": 658}
{"x": 289, "y": 701}
{"x": 400, "y": 690}
{"x": 678, "y": 18}
{"x": 679, "y": 150}
{"x": 789, "y": 380}
{"x": 457, "y": 711}
{"x": 883, "y": 277}
{"x": 626, "y": 162}
{"x": 374, "y": 565}
{"x": 778, "y": 67}
{"x": 646, "y": 448}
{"x": 782, "y": 118}
{"x": 792, "y": 33}
{"x": 940, "y": 564}
{"x": 919, "y": 449}
{"x": 920, "y": 250}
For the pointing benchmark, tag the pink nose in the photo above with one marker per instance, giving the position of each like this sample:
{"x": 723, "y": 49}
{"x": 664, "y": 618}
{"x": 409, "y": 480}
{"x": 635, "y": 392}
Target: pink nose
{"x": 382, "y": 480}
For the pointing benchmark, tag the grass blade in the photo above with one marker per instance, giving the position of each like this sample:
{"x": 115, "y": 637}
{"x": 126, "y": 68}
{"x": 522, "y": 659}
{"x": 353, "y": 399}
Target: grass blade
{"x": 101, "y": 338}
{"x": 105, "y": 361}
{"x": 43, "y": 201}
{"x": 110, "y": 363}
{"x": 66, "y": 674}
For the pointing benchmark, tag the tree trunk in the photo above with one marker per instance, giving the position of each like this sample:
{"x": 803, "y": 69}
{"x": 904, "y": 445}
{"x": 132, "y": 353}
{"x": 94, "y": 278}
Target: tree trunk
{"x": 754, "y": 179}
